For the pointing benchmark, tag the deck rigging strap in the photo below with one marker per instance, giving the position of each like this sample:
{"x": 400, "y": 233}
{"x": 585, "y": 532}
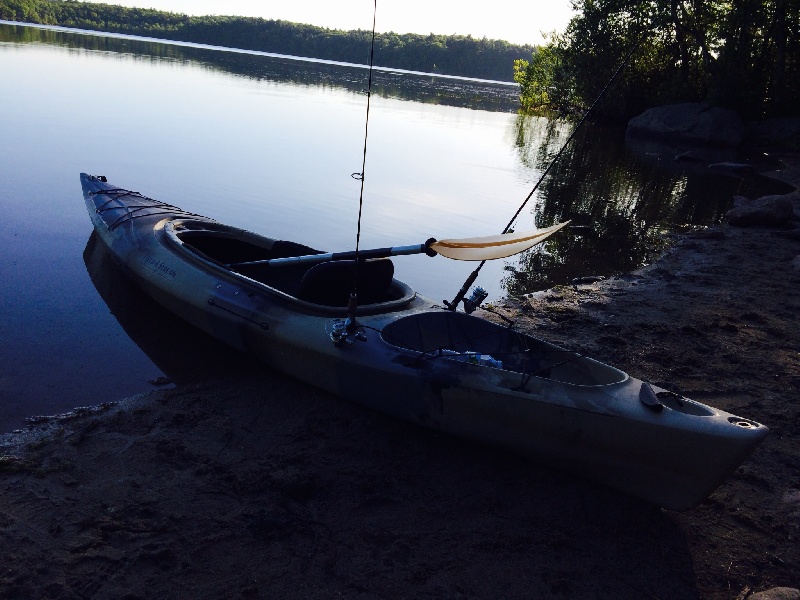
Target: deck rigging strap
{"x": 156, "y": 208}
{"x": 351, "y": 309}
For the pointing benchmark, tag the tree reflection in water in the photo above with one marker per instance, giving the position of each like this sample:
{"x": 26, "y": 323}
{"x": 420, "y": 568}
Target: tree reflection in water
{"x": 624, "y": 203}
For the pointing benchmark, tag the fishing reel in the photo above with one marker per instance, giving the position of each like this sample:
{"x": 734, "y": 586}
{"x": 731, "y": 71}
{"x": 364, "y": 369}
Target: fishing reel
{"x": 472, "y": 303}
{"x": 345, "y": 331}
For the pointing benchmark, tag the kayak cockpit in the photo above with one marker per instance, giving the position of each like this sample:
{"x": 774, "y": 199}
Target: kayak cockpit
{"x": 326, "y": 284}
{"x": 461, "y": 337}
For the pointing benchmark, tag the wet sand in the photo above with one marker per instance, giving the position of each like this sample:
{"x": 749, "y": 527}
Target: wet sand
{"x": 259, "y": 486}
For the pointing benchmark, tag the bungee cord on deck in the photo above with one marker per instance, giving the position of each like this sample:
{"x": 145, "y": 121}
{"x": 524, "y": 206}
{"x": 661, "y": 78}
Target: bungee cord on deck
{"x": 128, "y": 215}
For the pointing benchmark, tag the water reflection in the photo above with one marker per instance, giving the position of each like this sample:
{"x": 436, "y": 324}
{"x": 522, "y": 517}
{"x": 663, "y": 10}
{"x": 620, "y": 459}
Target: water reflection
{"x": 183, "y": 353}
{"x": 621, "y": 198}
{"x": 430, "y": 89}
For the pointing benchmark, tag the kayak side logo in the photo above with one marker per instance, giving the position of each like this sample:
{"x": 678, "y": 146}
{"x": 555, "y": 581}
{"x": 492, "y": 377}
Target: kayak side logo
{"x": 159, "y": 268}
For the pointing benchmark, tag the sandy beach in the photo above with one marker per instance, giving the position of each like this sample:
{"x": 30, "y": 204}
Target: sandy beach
{"x": 254, "y": 485}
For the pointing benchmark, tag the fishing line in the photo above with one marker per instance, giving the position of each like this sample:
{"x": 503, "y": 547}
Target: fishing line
{"x": 360, "y": 176}
{"x": 474, "y": 275}
{"x": 572, "y": 135}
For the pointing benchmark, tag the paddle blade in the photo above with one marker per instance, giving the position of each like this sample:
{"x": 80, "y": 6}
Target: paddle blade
{"x": 493, "y": 246}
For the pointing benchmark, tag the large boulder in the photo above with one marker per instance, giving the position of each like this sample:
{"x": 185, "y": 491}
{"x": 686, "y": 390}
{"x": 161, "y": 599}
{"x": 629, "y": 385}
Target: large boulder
{"x": 781, "y": 134}
{"x": 779, "y": 593}
{"x": 769, "y": 211}
{"x": 696, "y": 123}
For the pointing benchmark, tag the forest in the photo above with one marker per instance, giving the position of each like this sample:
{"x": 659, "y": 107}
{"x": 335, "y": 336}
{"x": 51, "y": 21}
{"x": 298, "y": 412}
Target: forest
{"x": 740, "y": 54}
{"x": 443, "y": 54}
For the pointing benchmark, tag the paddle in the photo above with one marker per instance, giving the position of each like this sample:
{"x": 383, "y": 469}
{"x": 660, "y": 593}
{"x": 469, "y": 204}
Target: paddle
{"x": 494, "y": 246}
{"x": 479, "y": 248}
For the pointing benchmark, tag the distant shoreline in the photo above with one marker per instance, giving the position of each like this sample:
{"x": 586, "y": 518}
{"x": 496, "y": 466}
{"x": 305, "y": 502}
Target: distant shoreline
{"x": 142, "y": 38}
{"x": 455, "y": 55}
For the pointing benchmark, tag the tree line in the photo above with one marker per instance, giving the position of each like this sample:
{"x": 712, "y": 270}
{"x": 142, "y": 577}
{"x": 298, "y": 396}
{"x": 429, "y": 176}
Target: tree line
{"x": 739, "y": 54}
{"x": 444, "y": 54}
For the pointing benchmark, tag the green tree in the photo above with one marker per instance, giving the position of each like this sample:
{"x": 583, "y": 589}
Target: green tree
{"x": 742, "y": 54}
{"x": 536, "y": 77}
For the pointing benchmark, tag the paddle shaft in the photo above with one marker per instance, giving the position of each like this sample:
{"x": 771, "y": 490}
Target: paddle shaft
{"x": 311, "y": 259}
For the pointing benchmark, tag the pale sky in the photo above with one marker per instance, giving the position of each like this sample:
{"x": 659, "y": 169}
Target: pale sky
{"x": 516, "y": 21}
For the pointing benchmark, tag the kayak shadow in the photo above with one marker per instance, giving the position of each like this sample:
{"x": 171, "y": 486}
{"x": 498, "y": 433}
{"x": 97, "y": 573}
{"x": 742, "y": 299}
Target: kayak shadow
{"x": 432, "y": 514}
{"x": 182, "y": 352}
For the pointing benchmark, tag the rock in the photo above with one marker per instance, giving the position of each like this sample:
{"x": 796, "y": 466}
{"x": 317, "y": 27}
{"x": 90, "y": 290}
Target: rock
{"x": 778, "y": 593}
{"x": 783, "y": 134}
{"x": 690, "y": 156}
{"x": 766, "y": 211}
{"x": 691, "y": 122}
{"x": 711, "y": 233}
{"x": 796, "y": 262}
{"x": 735, "y": 169}
{"x": 587, "y": 280}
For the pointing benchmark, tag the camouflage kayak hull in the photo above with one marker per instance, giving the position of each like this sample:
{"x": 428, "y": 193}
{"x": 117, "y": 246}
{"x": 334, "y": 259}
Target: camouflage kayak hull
{"x": 413, "y": 360}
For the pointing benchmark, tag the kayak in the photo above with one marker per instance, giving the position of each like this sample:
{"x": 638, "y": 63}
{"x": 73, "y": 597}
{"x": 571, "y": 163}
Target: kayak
{"x": 408, "y": 357}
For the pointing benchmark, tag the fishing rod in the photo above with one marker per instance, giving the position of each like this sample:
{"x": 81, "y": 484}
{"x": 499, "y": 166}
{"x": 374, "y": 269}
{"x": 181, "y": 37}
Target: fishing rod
{"x": 350, "y": 324}
{"x": 481, "y": 294}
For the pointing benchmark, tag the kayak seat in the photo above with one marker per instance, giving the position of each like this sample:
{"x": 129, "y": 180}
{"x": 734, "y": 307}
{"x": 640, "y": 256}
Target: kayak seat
{"x": 284, "y": 248}
{"x": 285, "y": 278}
{"x": 330, "y": 283}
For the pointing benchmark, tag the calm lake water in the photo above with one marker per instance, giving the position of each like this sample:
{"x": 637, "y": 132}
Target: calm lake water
{"x": 269, "y": 144}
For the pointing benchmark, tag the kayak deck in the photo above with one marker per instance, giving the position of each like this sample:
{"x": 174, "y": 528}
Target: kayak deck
{"x": 461, "y": 337}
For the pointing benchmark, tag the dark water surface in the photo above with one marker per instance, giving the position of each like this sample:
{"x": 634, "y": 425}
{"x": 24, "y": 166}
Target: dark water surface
{"x": 269, "y": 144}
